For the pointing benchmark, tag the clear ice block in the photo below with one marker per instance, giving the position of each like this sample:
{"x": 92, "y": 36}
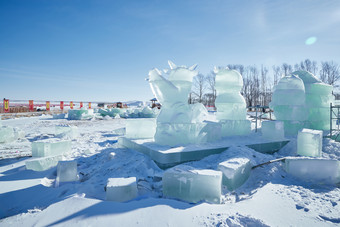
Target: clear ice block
{"x": 309, "y": 142}
{"x": 140, "y": 128}
{"x": 44, "y": 163}
{"x": 67, "y": 171}
{"x": 50, "y": 147}
{"x": 235, "y": 172}
{"x": 7, "y": 134}
{"x": 273, "y": 130}
{"x": 322, "y": 171}
{"x": 80, "y": 114}
{"x": 192, "y": 185}
{"x": 235, "y": 127}
{"x": 67, "y": 131}
{"x": 121, "y": 189}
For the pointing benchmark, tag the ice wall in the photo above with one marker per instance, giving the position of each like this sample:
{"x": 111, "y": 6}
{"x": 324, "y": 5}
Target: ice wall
{"x": 230, "y": 104}
{"x": 288, "y": 103}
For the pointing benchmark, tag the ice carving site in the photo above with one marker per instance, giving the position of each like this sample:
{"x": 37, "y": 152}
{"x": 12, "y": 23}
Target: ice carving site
{"x": 182, "y": 164}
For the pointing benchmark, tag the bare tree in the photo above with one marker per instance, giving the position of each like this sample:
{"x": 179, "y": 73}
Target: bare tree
{"x": 277, "y": 74}
{"x": 199, "y": 87}
{"x": 211, "y": 86}
{"x": 264, "y": 89}
{"x": 286, "y": 69}
{"x": 308, "y": 65}
{"x": 330, "y": 72}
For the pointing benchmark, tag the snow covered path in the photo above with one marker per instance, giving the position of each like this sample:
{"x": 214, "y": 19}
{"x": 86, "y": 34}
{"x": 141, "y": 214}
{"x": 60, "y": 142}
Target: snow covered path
{"x": 269, "y": 197}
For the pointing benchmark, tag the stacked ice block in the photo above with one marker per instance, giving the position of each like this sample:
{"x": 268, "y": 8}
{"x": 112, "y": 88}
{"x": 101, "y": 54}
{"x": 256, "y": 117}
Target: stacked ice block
{"x": 235, "y": 172}
{"x": 44, "y": 163}
{"x": 50, "y": 147}
{"x": 121, "y": 189}
{"x": 314, "y": 170}
{"x": 230, "y": 104}
{"x": 66, "y": 131}
{"x": 309, "y": 142}
{"x": 67, "y": 171}
{"x": 273, "y": 130}
{"x": 140, "y": 128}
{"x": 80, "y": 114}
{"x": 192, "y": 185}
{"x": 288, "y": 103}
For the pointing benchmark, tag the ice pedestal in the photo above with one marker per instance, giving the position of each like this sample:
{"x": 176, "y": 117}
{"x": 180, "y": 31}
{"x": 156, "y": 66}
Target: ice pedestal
{"x": 140, "y": 128}
{"x": 235, "y": 127}
{"x": 80, "y": 114}
{"x": 67, "y": 131}
{"x": 320, "y": 171}
{"x": 235, "y": 172}
{"x": 273, "y": 130}
{"x": 67, "y": 171}
{"x": 309, "y": 143}
{"x": 121, "y": 189}
{"x": 44, "y": 163}
{"x": 50, "y": 147}
{"x": 192, "y": 185}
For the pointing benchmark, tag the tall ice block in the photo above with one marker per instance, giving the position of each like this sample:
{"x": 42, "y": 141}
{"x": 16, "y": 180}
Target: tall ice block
{"x": 235, "y": 172}
{"x": 140, "y": 128}
{"x": 309, "y": 143}
{"x": 50, "y": 147}
{"x": 322, "y": 171}
{"x": 273, "y": 130}
{"x": 67, "y": 171}
{"x": 121, "y": 189}
{"x": 192, "y": 185}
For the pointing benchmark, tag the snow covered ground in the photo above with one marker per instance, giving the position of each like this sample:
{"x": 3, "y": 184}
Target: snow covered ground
{"x": 270, "y": 197}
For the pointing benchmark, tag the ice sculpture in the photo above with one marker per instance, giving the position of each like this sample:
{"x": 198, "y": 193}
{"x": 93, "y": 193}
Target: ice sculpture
{"x": 288, "y": 103}
{"x": 318, "y": 97}
{"x": 302, "y": 101}
{"x": 230, "y": 104}
{"x": 121, "y": 189}
{"x": 273, "y": 130}
{"x": 177, "y": 123}
{"x": 140, "y": 129}
{"x": 309, "y": 143}
{"x": 192, "y": 185}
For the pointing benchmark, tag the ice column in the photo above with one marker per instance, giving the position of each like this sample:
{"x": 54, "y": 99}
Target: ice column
{"x": 309, "y": 143}
{"x": 230, "y": 104}
{"x": 288, "y": 103}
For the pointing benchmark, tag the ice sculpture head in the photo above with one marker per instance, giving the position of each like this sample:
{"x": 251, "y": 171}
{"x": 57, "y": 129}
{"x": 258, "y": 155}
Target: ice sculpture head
{"x": 227, "y": 79}
{"x": 174, "y": 89}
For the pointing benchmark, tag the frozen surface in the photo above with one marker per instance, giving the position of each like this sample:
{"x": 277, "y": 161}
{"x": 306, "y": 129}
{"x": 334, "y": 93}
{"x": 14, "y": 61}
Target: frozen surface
{"x": 67, "y": 171}
{"x": 309, "y": 142}
{"x": 140, "y": 128}
{"x": 321, "y": 171}
{"x": 66, "y": 131}
{"x": 44, "y": 163}
{"x": 192, "y": 185}
{"x": 121, "y": 189}
{"x": 50, "y": 147}
{"x": 235, "y": 172}
{"x": 273, "y": 130}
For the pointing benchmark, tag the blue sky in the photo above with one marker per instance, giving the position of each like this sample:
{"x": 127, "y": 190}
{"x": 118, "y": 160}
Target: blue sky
{"x": 102, "y": 50}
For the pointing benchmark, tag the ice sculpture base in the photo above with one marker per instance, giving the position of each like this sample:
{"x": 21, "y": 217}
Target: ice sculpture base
{"x": 166, "y": 156}
{"x": 235, "y": 127}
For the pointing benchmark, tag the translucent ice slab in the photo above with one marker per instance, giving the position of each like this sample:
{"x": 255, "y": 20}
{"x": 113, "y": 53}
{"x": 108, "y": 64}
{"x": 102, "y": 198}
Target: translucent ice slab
{"x": 291, "y": 113}
{"x": 293, "y": 127}
{"x": 44, "y": 163}
{"x": 59, "y": 116}
{"x": 80, "y": 114}
{"x": 50, "y": 147}
{"x": 192, "y": 185}
{"x": 67, "y": 171}
{"x": 66, "y": 131}
{"x": 235, "y": 172}
{"x": 320, "y": 171}
{"x": 6, "y": 134}
{"x": 309, "y": 143}
{"x": 235, "y": 128}
{"x": 288, "y": 97}
{"x": 121, "y": 189}
{"x": 141, "y": 128}
{"x": 273, "y": 130}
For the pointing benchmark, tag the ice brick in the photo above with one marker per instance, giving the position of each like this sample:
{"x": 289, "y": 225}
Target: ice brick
{"x": 6, "y": 134}
{"x": 44, "y": 163}
{"x": 67, "y": 131}
{"x": 273, "y": 130}
{"x": 322, "y": 171}
{"x": 67, "y": 171}
{"x": 121, "y": 189}
{"x": 309, "y": 142}
{"x": 80, "y": 114}
{"x": 59, "y": 116}
{"x": 235, "y": 172}
{"x": 50, "y": 147}
{"x": 192, "y": 185}
{"x": 235, "y": 127}
{"x": 140, "y": 128}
